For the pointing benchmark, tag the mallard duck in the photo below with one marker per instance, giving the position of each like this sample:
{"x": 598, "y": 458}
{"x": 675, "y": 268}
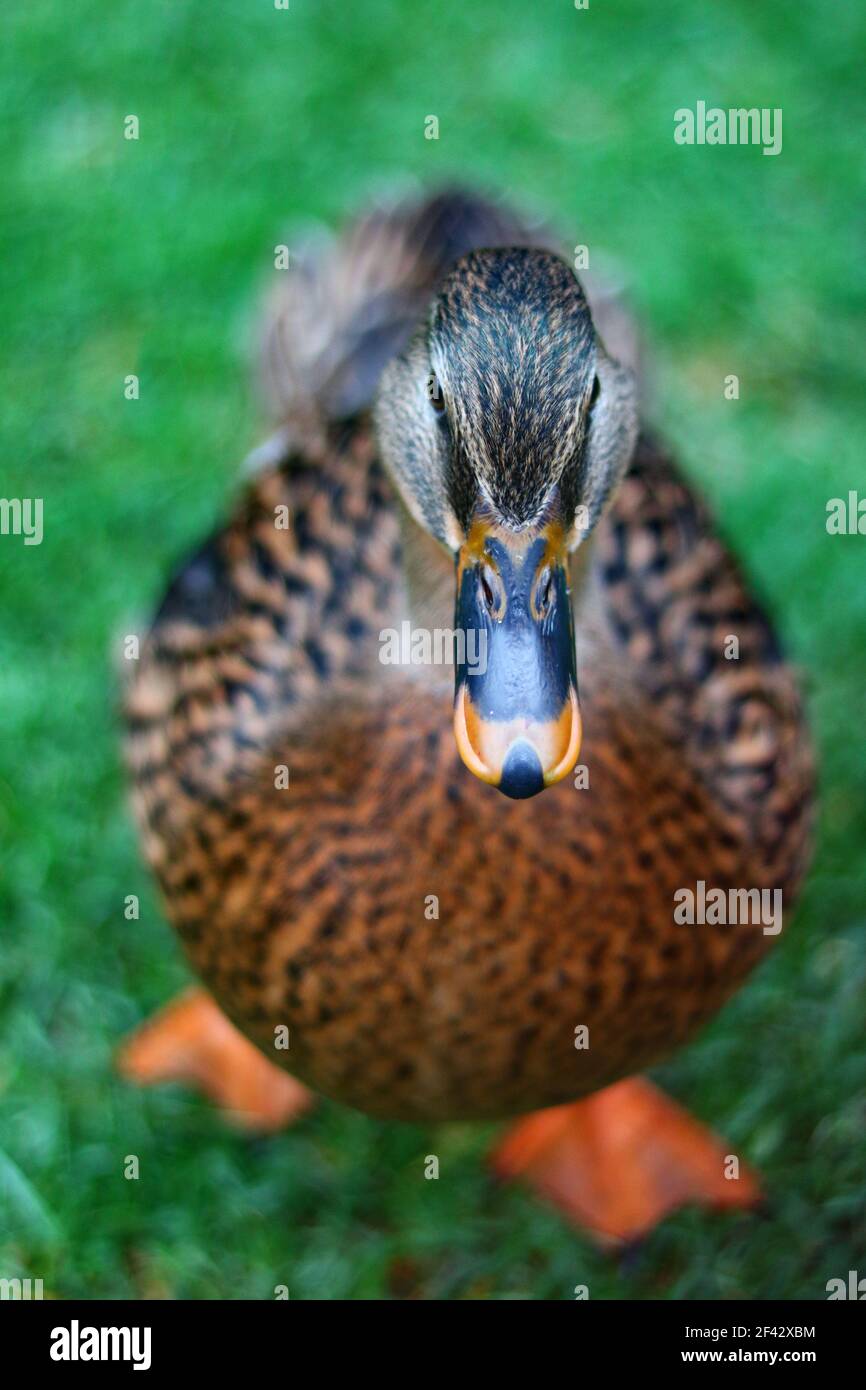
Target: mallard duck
{"x": 446, "y": 890}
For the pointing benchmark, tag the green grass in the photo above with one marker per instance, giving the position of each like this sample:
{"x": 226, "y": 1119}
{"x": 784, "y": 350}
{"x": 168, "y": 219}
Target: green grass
{"x": 149, "y": 257}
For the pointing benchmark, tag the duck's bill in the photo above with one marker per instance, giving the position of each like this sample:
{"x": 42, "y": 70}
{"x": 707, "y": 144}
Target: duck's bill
{"x": 519, "y": 756}
{"x": 516, "y": 713}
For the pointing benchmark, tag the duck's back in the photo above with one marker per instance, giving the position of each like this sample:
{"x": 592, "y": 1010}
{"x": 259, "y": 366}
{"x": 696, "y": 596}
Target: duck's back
{"x": 332, "y": 867}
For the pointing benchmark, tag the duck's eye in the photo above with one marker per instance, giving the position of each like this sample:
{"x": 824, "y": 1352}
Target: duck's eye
{"x": 434, "y": 391}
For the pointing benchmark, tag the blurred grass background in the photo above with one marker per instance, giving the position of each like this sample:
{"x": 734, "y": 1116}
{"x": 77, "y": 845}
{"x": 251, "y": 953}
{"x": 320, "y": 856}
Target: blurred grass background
{"x": 149, "y": 257}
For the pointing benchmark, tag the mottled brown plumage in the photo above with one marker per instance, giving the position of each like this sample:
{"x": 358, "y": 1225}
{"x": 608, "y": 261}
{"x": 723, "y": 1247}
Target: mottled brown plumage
{"x": 308, "y": 906}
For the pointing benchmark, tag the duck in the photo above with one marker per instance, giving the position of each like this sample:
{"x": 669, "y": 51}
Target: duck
{"x": 446, "y": 889}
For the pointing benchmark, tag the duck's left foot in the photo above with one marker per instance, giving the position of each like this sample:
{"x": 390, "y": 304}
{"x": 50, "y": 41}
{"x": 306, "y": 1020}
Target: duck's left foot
{"x": 619, "y": 1161}
{"x": 191, "y": 1040}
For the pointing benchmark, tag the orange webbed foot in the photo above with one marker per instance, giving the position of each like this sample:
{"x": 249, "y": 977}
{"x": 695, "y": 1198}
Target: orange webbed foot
{"x": 191, "y": 1040}
{"x": 619, "y": 1161}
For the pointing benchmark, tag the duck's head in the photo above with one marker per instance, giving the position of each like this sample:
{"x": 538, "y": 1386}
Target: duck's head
{"x": 506, "y": 427}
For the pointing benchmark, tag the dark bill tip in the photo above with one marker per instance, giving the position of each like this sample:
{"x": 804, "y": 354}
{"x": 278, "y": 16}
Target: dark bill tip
{"x": 522, "y": 774}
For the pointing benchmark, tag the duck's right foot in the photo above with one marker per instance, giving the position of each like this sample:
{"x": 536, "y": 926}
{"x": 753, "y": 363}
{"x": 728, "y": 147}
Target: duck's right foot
{"x": 191, "y": 1040}
{"x": 619, "y": 1161}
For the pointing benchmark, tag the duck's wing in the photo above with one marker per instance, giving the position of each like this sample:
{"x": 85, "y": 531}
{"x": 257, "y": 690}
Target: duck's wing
{"x": 697, "y": 642}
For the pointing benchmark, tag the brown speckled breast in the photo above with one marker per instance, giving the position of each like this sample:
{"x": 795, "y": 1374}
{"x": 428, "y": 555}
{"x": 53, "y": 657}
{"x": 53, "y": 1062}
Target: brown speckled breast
{"x": 431, "y": 946}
